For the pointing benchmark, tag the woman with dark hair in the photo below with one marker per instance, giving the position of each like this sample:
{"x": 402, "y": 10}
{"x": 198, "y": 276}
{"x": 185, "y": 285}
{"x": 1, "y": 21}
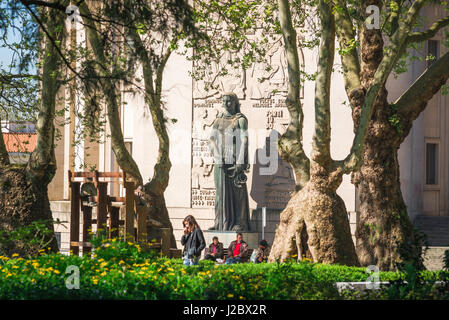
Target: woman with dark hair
{"x": 192, "y": 240}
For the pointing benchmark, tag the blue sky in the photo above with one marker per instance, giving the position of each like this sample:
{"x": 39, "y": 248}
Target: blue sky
{"x": 5, "y": 53}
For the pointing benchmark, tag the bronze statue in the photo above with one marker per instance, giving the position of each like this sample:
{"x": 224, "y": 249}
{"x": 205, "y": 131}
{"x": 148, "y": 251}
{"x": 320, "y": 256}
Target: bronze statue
{"x": 229, "y": 144}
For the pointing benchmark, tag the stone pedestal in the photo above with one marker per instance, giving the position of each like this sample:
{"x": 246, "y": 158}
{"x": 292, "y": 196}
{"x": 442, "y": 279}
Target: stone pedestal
{"x": 226, "y": 237}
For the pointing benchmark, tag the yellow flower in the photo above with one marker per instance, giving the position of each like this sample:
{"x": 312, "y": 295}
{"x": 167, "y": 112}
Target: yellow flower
{"x": 56, "y": 271}
{"x": 121, "y": 262}
{"x": 103, "y": 274}
{"x": 103, "y": 264}
{"x": 15, "y": 255}
{"x": 241, "y": 298}
{"x": 230, "y": 295}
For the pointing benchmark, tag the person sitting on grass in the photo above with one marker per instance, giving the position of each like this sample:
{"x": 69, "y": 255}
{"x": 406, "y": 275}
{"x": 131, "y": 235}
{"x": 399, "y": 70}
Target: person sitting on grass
{"x": 215, "y": 250}
{"x": 262, "y": 252}
{"x": 237, "y": 251}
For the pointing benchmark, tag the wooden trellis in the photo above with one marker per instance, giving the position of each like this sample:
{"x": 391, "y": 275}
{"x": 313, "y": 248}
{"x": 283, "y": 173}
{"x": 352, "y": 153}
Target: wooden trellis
{"x": 108, "y": 212}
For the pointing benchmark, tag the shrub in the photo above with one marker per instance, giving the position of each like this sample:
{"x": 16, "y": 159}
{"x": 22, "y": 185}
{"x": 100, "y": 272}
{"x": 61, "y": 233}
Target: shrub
{"x": 122, "y": 270}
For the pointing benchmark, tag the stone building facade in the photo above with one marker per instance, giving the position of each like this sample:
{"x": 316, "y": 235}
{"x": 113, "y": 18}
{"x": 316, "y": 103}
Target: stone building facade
{"x": 424, "y": 156}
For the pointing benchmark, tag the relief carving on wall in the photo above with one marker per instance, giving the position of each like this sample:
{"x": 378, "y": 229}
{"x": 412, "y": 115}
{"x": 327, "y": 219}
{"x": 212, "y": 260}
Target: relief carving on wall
{"x": 262, "y": 91}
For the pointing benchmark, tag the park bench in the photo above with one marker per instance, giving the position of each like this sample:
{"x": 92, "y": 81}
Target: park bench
{"x": 225, "y": 253}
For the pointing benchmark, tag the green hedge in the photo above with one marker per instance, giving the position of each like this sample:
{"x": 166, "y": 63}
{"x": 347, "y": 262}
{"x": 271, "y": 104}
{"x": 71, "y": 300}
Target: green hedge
{"x": 120, "y": 270}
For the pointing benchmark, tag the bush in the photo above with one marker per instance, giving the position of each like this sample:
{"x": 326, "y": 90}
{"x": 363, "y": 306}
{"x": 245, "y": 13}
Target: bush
{"x": 122, "y": 270}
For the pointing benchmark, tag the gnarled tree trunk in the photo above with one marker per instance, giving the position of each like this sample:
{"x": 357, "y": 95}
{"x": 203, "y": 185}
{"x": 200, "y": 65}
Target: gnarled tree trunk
{"x": 385, "y": 235}
{"x": 315, "y": 223}
{"x": 316, "y": 213}
{"x": 153, "y": 190}
{"x": 24, "y": 197}
{"x": 22, "y": 202}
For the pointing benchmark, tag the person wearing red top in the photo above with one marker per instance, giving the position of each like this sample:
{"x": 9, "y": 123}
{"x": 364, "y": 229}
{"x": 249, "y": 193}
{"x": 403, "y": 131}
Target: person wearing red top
{"x": 237, "y": 251}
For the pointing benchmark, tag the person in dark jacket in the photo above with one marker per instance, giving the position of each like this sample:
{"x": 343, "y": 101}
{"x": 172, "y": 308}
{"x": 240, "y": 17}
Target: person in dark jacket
{"x": 237, "y": 251}
{"x": 192, "y": 240}
{"x": 215, "y": 250}
{"x": 263, "y": 252}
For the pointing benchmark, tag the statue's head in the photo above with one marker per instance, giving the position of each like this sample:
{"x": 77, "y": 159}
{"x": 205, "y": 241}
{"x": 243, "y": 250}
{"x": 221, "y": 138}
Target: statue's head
{"x": 231, "y": 102}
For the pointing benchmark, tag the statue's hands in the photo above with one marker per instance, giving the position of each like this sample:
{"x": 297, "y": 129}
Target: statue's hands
{"x": 236, "y": 169}
{"x": 240, "y": 168}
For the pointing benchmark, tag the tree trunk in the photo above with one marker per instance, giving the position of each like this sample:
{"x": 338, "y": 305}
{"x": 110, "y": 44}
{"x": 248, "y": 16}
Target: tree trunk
{"x": 22, "y": 202}
{"x": 290, "y": 143}
{"x": 385, "y": 234}
{"x": 157, "y": 210}
{"x": 124, "y": 159}
{"x": 315, "y": 224}
{"x": 24, "y": 197}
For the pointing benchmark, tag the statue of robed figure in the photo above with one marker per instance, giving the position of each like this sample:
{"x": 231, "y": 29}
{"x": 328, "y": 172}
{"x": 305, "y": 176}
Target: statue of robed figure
{"x": 229, "y": 145}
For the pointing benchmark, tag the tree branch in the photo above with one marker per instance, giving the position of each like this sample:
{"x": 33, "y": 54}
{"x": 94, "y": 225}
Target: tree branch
{"x": 42, "y": 163}
{"x": 290, "y": 144}
{"x": 430, "y": 33}
{"x": 160, "y": 71}
{"x": 413, "y": 101}
{"x": 393, "y": 52}
{"x": 124, "y": 159}
{"x": 322, "y": 133}
{"x": 350, "y": 60}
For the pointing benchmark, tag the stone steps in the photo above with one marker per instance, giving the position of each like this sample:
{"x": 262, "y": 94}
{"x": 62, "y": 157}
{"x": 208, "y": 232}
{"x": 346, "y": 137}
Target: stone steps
{"x": 436, "y": 228}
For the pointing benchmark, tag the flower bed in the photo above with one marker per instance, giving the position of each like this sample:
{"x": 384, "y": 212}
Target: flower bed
{"x": 119, "y": 270}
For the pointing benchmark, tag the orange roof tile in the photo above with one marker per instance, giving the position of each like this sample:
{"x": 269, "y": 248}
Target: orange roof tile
{"x": 20, "y": 142}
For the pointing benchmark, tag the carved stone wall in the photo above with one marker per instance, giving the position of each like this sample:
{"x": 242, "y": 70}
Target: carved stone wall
{"x": 262, "y": 92}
